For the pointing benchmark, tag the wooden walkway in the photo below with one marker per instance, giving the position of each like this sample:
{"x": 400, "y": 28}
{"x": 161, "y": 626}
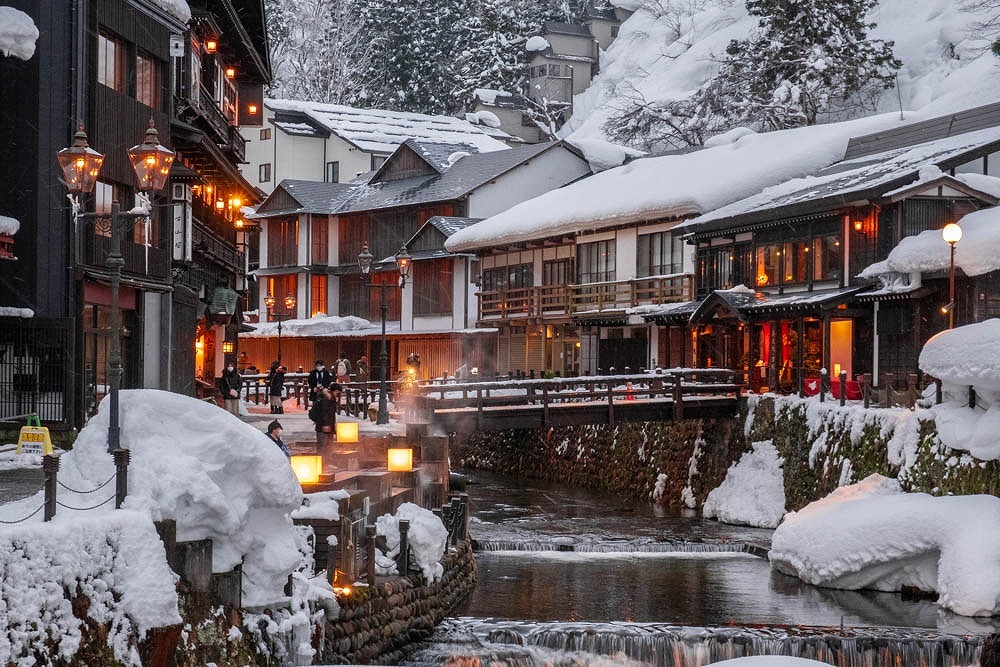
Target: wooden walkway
{"x": 524, "y": 404}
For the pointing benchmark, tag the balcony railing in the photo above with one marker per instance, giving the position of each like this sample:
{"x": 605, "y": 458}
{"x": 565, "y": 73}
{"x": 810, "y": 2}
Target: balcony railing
{"x": 568, "y": 300}
{"x": 206, "y": 242}
{"x": 237, "y": 144}
{"x": 140, "y": 260}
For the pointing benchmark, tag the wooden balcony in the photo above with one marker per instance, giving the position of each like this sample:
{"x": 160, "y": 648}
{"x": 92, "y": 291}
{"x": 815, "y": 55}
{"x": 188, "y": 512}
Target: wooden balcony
{"x": 140, "y": 260}
{"x": 564, "y": 301}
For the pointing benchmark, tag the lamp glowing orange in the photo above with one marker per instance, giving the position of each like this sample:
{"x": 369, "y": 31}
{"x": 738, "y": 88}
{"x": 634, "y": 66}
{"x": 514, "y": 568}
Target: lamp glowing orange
{"x": 347, "y": 432}
{"x": 219, "y": 204}
{"x": 400, "y": 460}
{"x": 307, "y": 467}
{"x": 230, "y": 72}
{"x": 211, "y": 46}
{"x": 227, "y": 347}
{"x": 199, "y": 345}
{"x": 252, "y": 109}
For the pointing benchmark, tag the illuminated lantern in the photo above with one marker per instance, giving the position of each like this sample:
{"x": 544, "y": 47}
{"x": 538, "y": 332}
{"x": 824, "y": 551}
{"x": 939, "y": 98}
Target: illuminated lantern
{"x": 151, "y": 161}
{"x": 400, "y": 460}
{"x": 347, "y": 432}
{"x": 307, "y": 467}
{"x": 80, "y": 164}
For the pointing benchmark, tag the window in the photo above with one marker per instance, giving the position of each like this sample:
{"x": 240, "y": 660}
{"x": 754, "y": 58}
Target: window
{"x": 111, "y": 62}
{"x": 377, "y": 161}
{"x": 715, "y": 267}
{"x": 265, "y": 172}
{"x": 282, "y": 243}
{"x": 320, "y": 239}
{"x": 333, "y": 172}
{"x": 596, "y": 261}
{"x": 147, "y": 80}
{"x": 265, "y": 134}
{"x": 508, "y": 277}
{"x": 317, "y": 295}
{"x": 768, "y": 258}
{"x": 432, "y": 287}
{"x": 796, "y": 261}
{"x": 660, "y": 254}
{"x": 557, "y": 272}
{"x": 826, "y": 258}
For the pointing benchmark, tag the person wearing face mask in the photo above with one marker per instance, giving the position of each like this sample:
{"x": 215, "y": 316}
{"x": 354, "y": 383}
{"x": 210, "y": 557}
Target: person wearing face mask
{"x": 229, "y": 387}
{"x": 318, "y": 377}
{"x": 274, "y": 433}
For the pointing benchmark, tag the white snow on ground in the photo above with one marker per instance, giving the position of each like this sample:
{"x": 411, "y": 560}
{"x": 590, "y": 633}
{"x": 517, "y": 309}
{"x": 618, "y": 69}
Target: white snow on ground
{"x": 872, "y": 536}
{"x": 975, "y": 254}
{"x": 602, "y": 155}
{"x": 193, "y": 462}
{"x": 427, "y": 537}
{"x": 117, "y": 561}
{"x": 318, "y": 325}
{"x": 753, "y": 492}
{"x": 17, "y": 38}
{"x": 536, "y": 43}
{"x": 963, "y": 357}
{"x": 179, "y": 8}
{"x": 946, "y": 65}
{"x": 671, "y": 185}
{"x": 8, "y": 225}
{"x": 321, "y": 505}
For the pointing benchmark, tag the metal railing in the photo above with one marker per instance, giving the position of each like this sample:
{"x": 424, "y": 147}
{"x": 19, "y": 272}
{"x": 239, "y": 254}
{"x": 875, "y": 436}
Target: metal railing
{"x": 355, "y": 397}
{"x": 554, "y": 300}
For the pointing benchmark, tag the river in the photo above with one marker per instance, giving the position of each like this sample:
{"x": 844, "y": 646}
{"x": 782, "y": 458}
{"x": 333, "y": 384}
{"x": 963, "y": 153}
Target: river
{"x": 580, "y": 577}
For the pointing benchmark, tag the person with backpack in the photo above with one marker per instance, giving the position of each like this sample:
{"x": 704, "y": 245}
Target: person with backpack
{"x": 343, "y": 369}
{"x": 229, "y": 386}
{"x": 318, "y": 377}
{"x": 276, "y": 387}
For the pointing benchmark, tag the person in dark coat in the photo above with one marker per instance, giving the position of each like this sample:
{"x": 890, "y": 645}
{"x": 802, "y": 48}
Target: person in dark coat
{"x": 275, "y": 387}
{"x": 362, "y": 371}
{"x": 274, "y": 434}
{"x": 318, "y": 377}
{"x": 324, "y": 415}
{"x": 229, "y": 386}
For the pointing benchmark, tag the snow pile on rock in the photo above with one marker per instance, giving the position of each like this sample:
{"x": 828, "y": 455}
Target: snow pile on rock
{"x": 318, "y": 325}
{"x": 17, "y": 34}
{"x": 753, "y": 492}
{"x": 870, "y": 535}
{"x": 427, "y": 537}
{"x": 193, "y": 462}
{"x": 115, "y": 559}
{"x": 963, "y": 357}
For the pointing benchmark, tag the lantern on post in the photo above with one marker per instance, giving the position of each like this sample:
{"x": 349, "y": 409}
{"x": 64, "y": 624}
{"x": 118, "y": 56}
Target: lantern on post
{"x": 80, "y": 164}
{"x": 151, "y": 161}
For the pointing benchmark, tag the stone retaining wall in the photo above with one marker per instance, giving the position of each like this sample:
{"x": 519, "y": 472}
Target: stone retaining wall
{"x": 378, "y": 623}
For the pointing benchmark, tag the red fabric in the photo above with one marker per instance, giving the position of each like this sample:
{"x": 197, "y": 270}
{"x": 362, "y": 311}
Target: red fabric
{"x": 811, "y": 386}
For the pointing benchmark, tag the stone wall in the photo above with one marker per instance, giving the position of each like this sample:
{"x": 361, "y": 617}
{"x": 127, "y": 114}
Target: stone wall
{"x": 378, "y": 623}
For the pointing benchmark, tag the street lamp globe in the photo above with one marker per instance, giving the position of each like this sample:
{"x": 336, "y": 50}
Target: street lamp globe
{"x": 290, "y": 303}
{"x": 952, "y": 233}
{"x": 365, "y": 260}
{"x": 403, "y": 261}
{"x": 151, "y": 161}
{"x": 80, "y": 164}
{"x": 269, "y": 301}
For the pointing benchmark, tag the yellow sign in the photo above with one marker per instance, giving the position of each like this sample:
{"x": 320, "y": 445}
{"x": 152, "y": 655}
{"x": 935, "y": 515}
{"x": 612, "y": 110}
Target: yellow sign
{"x": 34, "y": 439}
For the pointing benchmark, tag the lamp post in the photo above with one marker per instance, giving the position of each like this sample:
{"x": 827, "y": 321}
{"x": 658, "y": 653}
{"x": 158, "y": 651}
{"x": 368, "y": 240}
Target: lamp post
{"x": 80, "y": 165}
{"x": 365, "y": 264}
{"x": 952, "y": 234}
{"x": 269, "y": 301}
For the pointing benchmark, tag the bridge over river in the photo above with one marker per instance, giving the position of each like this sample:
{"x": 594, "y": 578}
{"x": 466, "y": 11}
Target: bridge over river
{"x": 523, "y": 404}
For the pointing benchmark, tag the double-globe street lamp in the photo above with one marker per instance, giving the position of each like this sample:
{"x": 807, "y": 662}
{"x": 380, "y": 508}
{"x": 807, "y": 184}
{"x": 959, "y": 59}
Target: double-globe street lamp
{"x": 403, "y": 261}
{"x": 952, "y": 234}
{"x": 269, "y": 301}
{"x": 80, "y": 166}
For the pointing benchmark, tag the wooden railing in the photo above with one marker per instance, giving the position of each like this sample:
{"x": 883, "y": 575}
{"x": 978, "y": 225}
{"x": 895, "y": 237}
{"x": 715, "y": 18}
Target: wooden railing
{"x": 355, "y": 397}
{"x": 554, "y": 300}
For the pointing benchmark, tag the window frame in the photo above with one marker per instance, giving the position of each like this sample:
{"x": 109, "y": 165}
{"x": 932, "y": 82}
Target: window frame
{"x": 264, "y": 173}
{"x": 116, "y": 60}
{"x": 148, "y": 92}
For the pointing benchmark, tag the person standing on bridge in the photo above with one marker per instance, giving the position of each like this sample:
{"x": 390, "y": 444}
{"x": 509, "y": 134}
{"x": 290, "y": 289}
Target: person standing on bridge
{"x": 229, "y": 386}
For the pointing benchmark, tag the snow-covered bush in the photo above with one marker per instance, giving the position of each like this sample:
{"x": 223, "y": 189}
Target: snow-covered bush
{"x": 427, "y": 537}
{"x": 753, "y": 492}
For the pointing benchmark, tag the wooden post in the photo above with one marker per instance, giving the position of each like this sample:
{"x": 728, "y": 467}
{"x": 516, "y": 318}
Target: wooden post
{"x": 50, "y": 466}
{"x": 403, "y": 559}
{"x": 822, "y": 385}
{"x": 545, "y": 405}
{"x": 611, "y": 403}
{"x": 867, "y": 379}
{"x": 843, "y": 387}
{"x": 678, "y": 398}
{"x": 479, "y": 408}
{"x": 463, "y": 526}
{"x": 370, "y": 534}
{"x": 122, "y": 457}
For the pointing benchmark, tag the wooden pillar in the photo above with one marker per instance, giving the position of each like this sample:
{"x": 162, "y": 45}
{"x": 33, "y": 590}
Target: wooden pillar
{"x": 826, "y": 342}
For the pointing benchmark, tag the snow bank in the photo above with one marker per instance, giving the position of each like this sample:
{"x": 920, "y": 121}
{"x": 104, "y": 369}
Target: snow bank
{"x": 536, "y": 43}
{"x": 11, "y": 311}
{"x": 872, "y": 536}
{"x": 8, "y": 225}
{"x": 321, "y": 505}
{"x": 196, "y": 463}
{"x": 427, "y": 537}
{"x": 318, "y": 325}
{"x": 753, "y": 492}
{"x": 975, "y": 254}
{"x": 671, "y": 185}
{"x": 963, "y": 357}
{"x": 17, "y": 34}
{"x": 116, "y": 559}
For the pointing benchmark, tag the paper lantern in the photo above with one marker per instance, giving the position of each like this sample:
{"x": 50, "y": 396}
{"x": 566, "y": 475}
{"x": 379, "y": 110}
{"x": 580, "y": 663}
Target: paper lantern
{"x": 347, "y": 432}
{"x": 400, "y": 460}
{"x": 307, "y": 468}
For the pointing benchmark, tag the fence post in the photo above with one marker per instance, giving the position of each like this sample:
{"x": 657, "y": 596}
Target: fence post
{"x": 938, "y": 393}
{"x": 463, "y": 529}
{"x": 611, "y": 403}
{"x": 867, "y": 379}
{"x": 843, "y": 388}
{"x": 403, "y": 560}
{"x": 545, "y": 405}
{"x": 370, "y": 534}
{"x": 50, "y": 466}
{"x": 802, "y": 382}
{"x": 122, "y": 458}
{"x": 972, "y": 397}
{"x": 678, "y": 398}
{"x": 822, "y": 385}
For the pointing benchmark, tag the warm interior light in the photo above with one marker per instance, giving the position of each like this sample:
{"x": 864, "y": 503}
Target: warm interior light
{"x": 836, "y": 370}
{"x": 219, "y": 204}
{"x": 307, "y": 467}
{"x": 237, "y": 202}
{"x": 230, "y": 72}
{"x": 227, "y": 346}
{"x": 858, "y": 225}
{"x": 240, "y": 223}
{"x": 400, "y": 460}
{"x": 211, "y": 46}
{"x": 951, "y": 233}
{"x": 252, "y": 109}
{"x": 347, "y": 432}
{"x": 199, "y": 345}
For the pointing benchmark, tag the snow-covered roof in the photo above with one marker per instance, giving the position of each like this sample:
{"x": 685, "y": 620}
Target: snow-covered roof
{"x": 977, "y": 253}
{"x": 8, "y": 226}
{"x": 602, "y": 155}
{"x": 311, "y": 196}
{"x": 562, "y": 28}
{"x": 381, "y": 131}
{"x": 178, "y": 8}
{"x": 864, "y": 178}
{"x": 671, "y": 186}
{"x": 17, "y": 33}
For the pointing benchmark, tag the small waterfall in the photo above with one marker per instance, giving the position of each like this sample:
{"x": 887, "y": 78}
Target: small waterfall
{"x": 619, "y": 546}
{"x": 660, "y": 645}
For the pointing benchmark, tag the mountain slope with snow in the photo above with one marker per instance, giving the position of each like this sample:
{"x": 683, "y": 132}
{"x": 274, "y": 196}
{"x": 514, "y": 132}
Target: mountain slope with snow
{"x": 669, "y": 51}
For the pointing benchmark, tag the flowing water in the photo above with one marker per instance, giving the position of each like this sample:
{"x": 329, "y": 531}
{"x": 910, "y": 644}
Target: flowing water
{"x": 570, "y": 577}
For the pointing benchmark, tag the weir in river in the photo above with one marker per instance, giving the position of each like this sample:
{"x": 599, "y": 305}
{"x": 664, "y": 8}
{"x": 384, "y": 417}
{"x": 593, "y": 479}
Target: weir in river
{"x": 568, "y": 577}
